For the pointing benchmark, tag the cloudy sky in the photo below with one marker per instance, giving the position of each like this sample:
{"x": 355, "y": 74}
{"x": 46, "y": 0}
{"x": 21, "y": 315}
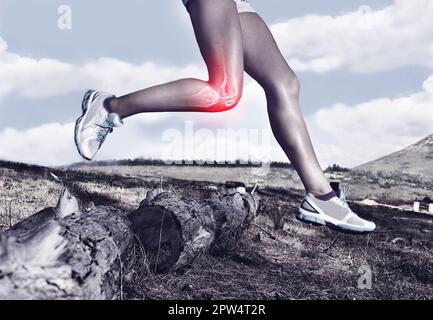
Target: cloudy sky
{"x": 366, "y": 71}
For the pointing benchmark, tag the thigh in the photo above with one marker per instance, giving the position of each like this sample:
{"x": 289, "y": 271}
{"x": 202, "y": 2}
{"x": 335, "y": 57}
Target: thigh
{"x": 218, "y": 32}
{"x": 262, "y": 58}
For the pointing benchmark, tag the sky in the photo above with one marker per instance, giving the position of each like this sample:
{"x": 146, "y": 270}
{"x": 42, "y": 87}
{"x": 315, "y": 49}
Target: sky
{"x": 365, "y": 67}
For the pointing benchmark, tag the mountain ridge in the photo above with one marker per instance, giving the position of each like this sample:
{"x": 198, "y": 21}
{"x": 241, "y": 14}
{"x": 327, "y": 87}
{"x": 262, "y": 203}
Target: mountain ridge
{"x": 415, "y": 159}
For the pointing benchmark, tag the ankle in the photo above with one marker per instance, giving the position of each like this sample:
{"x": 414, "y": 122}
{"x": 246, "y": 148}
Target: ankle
{"x": 322, "y": 192}
{"x": 111, "y": 105}
{"x": 326, "y": 196}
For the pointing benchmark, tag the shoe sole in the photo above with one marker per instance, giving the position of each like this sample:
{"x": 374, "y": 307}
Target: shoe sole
{"x": 88, "y": 96}
{"x": 317, "y": 220}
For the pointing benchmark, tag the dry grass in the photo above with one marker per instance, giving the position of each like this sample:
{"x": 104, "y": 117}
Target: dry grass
{"x": 293, "y": 261}
{"x": 23, "y": 195}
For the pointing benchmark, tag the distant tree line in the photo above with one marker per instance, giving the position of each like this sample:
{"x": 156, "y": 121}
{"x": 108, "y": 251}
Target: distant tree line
{"x": 41, "y": 170}
{"x": 336, "y": 168}
{"x": 193, "y": 163}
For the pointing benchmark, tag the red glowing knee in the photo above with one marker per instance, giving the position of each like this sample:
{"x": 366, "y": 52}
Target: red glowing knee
{"x": 216, "y": 100}
{"x": 219, "y": 96}
{"x": 226, "y": 96}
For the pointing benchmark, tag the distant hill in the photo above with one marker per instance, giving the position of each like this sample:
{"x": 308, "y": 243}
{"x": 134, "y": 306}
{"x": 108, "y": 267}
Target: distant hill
{"x": 415, "y": 159}
{"x": 24, "y": 167}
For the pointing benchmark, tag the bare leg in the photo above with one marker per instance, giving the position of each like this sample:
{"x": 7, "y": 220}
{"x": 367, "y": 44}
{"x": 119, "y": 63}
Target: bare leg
{"x": 218, "y": 33}
{"x": 265, "y": 63}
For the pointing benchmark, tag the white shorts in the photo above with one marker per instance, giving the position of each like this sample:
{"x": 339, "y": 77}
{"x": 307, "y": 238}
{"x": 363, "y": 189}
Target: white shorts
{"x": 242, "y": 5}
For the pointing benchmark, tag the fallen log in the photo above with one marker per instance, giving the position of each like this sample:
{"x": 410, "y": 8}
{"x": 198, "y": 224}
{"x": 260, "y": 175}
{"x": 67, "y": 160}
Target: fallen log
{"x": 66, "y": 252}
{"x": 174, "y": 231}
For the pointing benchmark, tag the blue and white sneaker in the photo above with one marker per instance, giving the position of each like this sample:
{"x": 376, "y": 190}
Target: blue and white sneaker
{"x": 93, "y": 126}
{"x": 334, "y": 213}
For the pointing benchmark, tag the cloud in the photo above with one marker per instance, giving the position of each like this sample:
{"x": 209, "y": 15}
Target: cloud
{"x": 364, "y": 41}
{"x": 352, "y": 135}
{"x": 221, "y": 136}
{"x": 345, "y": 134}
{"x": 42, "y": 78}
{"x": 49, "y": 144}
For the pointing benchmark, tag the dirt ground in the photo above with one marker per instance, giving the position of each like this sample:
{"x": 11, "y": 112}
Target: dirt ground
{"x": 278, "y": 258}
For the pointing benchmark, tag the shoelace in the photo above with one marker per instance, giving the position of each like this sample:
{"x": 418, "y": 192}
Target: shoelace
{"x": 342, "y": 198}
{"x": 105, "y": 129}
{"x": 343, "y": 203}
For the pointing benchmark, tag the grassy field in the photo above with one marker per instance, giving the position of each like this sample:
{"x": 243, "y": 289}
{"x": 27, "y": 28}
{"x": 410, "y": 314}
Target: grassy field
{"x": 279, "y": 257}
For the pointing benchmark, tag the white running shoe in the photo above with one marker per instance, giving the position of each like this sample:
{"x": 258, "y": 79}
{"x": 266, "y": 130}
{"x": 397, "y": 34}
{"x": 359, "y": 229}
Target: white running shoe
{"x": 334, "y": 213}
{"x": 93, "y": 126}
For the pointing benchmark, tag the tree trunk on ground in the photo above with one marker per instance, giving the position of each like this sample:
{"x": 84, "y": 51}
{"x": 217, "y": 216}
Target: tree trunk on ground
{"x": 174, "y": 232}
{"x": 64, "y": 253}
{"x": 68, "y": 253}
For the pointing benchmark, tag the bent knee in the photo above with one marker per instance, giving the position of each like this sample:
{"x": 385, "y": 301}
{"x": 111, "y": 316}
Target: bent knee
{"x": 226, "y": 103}
{"x": 293, "y": 84}
{"x": 290, "y": 85}
{"x": 226, "y": 96}
{"x": 285, "y": 86}
{"x": 232, "y": 99}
